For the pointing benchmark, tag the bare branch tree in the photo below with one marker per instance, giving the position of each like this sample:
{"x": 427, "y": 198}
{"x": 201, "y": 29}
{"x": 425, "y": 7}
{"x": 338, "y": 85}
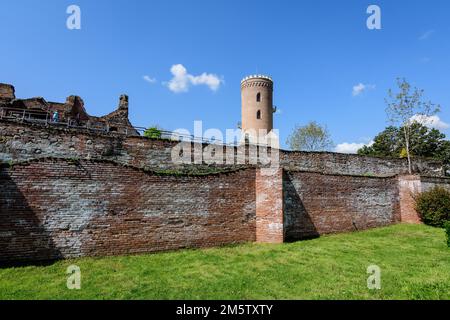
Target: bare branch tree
{"x": 403, "y": 106}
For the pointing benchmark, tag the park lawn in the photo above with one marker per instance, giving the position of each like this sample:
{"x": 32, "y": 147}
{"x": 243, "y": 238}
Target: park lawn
{"x": 414, "y": 262}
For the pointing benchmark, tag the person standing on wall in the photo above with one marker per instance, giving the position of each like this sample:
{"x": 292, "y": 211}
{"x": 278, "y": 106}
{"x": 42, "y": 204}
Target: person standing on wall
{"x": 55, "y": 116}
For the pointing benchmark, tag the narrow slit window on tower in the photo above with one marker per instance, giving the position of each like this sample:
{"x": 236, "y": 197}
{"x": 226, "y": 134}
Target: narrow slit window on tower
{"x": 258, "y": 97}
{"x": 258, "y": 115}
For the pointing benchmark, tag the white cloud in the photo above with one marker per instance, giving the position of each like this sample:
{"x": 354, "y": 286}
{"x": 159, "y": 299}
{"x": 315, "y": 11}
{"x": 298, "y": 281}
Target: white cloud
{"x": 431, "y": 121}
{"x": 361, "y": 87}
{"x": 351, "y": 147}
{"x": 149, "y": 79}
{"x": 426, "y": 35}
{"x": 182, "y": 80}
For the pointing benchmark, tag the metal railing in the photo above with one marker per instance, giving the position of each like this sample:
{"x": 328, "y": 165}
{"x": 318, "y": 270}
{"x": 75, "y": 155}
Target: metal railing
{"x": 26, "y": 116}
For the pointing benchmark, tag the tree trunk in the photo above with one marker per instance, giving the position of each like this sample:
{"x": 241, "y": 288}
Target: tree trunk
{"x": 407, "y": 150}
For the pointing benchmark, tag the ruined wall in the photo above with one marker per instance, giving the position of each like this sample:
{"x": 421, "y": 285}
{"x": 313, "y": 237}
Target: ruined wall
{"x": 428, "y": 183}
{"x": 60, "y": 208}
{"x": 87, "y": 194}
{"x": 352, "y": 164}
{"x": 316, "y": 203}
{"x": 24, "y": 142}
{"x": 7, "y": 92}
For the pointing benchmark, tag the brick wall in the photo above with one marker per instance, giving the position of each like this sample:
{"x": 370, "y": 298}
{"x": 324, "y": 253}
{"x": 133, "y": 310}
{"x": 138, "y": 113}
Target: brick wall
{"x": 86, "y": 194}
{"x": 59, "y": 209}
{"x": 353, "y": 164}
{"x": 409, "y": 187}
{"x": 316, "y": 203}
{"x": 428, "y": 183}
{"x": 24, "y": 142}
{"x": 269, "y": 206}
{"x": 7, "y": 92}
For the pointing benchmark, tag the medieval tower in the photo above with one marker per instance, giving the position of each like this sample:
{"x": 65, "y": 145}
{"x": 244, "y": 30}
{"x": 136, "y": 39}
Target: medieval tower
{"x": 257, "y": 107}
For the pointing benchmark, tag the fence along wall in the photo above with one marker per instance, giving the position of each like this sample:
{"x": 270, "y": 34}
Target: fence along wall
{"x": 316, "y": 203}
{"x": 62, "y": 209}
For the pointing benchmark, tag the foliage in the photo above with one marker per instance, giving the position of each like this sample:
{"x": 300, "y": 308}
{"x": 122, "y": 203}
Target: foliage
{"x": 434, "y": 206}
{"x": 425, "y": 142}
{"x": 386, "y": 144}
{"x": 403, "y": 106}
{"x": 447, "y": 231}
{"x": 312, "y": 137}
{"x": 330, "y": 267}
{"x": 153, "y": 133}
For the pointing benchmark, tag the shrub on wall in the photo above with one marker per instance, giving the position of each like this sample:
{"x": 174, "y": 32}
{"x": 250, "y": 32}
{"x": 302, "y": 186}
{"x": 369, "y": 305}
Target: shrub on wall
{"x": 153, "y": 133}
{"x": 447, "y": 230}
{"x": 434, "y": 206}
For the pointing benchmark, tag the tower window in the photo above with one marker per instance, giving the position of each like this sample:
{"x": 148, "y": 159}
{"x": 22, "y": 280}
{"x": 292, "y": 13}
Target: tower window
{"x": 258, "y": 115}
{"x": 258, "y": 97}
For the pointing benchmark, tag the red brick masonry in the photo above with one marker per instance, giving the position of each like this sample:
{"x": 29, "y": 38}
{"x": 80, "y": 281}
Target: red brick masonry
{"x": 60, "y": 208}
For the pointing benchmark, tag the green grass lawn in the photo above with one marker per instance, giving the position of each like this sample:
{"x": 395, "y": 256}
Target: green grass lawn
{"x": 414, "y": 262}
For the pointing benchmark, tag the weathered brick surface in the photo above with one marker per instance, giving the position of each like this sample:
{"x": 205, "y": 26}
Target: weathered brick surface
{"x": 95, "y": 199}
{"x": 352, "y": 164}
{"x": 24, "y": 142}
{"x": 316, "y": 204}
{"x": 428, "y": 183}
{"x": 409, "y": 187}
{"x": 412, "y": 186}
{"x": 269, "y": 206}
{"x": 57, "y": 209}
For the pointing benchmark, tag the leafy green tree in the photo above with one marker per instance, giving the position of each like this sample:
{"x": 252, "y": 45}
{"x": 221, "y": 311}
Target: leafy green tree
{"x": 312, "y": 137}
{"x": 403, "y": 106}
{"x": 425, "y": 142}
{"x": 386, "y": 144}
{"x": 443, "y": 154}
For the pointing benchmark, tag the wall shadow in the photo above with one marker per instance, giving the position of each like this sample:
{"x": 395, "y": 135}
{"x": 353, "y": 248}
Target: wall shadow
{"x": 299, "y": 224}
{"x": 23, "y": 239}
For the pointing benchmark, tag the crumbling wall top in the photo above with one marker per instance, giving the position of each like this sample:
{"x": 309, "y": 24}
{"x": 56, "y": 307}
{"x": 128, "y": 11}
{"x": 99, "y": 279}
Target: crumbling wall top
{"x": 7, "y": 92}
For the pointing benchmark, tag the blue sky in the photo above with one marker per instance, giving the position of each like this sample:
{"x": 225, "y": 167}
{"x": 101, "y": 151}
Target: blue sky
{"x": 316, "y": 52}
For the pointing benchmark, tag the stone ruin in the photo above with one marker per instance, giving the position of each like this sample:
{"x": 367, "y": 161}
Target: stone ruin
{"x": 71, "y": 113}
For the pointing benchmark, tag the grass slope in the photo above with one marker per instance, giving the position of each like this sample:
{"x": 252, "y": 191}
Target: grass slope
{"x": 414, "y": 261}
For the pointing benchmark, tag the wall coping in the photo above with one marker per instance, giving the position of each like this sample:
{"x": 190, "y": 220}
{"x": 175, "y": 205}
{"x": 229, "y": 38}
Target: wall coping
{"x": 168, "y": 173}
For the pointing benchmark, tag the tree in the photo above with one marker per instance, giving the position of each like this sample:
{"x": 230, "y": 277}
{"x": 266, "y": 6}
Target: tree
{"x": 312, "y": 137}
{"x": 425, "y": 142}
{"x": 153, "y": 133}
{"x": 403, "y": 106}
{"x": 386, "y": 144}
{"x": 443, "y": 154}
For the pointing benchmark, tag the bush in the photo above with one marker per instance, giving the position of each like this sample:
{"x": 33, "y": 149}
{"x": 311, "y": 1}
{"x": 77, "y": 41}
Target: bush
{"x": 447, "y": 230}
{"x": 434, "y": 206}
{"x": 153, "y": 133}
